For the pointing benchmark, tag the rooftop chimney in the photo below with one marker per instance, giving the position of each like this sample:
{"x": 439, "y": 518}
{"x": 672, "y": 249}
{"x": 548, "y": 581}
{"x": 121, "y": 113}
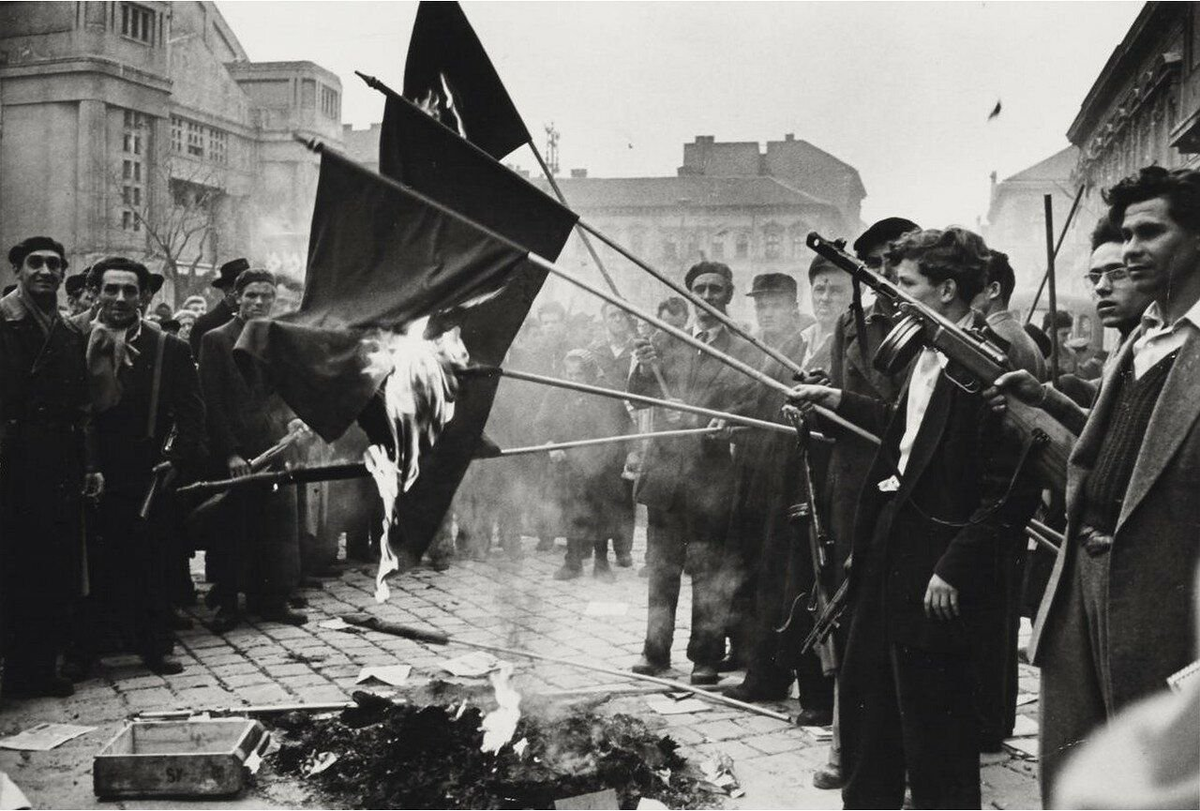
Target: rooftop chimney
{"x": 579, "y": 173}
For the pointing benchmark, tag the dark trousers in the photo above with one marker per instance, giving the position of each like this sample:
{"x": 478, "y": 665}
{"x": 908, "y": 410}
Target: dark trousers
{"x": 580, "y": 549}
{"x": 905, "y": 710}
{"x": 261, "y": 554}
{"x": 1076, "y": 686}
{"x": 747, "y": 528}
{"x": 996, "y": 657}
{"x": 129, "y": 563}
{"x": 617, "y": 519}
{"x": 783, "y": 582}
{"x": 675, "y": 540}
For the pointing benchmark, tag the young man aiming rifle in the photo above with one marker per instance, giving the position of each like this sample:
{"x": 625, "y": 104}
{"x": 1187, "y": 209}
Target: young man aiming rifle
{"x": 946, "y": 482}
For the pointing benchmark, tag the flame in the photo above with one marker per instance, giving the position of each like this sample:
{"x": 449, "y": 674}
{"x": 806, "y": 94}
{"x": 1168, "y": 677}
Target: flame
{"x": 418, "y": 394}
{"x": 500, "y": 724}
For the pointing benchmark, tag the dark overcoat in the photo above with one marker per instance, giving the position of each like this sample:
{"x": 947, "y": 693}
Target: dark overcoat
{"x": 44, "y": 433}
{"x": 216, "y": 317}
{"x": 695, "y": 474}
{"x": 956, "y": 507}
{"x": 851, "y": 456}
{"x": 1156, "y": 545}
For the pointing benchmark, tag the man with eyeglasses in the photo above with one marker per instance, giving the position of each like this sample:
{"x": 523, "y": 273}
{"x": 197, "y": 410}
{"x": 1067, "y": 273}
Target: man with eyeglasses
{"x": 1119, "y": 305}
{"x": 46, "y": 471}
{"x": 1116, "y": 621}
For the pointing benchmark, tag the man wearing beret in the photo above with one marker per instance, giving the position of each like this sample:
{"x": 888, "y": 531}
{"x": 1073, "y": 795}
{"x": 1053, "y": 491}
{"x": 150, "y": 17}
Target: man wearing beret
{"x": 226, "y": 307}
{"x": 143, "y": 386}
{"x": 687, "y": 484}
{"x": 46, "y": 470}
{"x": 857, "y": 335}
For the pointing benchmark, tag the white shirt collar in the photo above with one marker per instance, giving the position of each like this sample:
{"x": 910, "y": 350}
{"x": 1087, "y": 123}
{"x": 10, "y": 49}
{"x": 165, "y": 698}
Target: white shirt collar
{"x": 1152, "y": 318}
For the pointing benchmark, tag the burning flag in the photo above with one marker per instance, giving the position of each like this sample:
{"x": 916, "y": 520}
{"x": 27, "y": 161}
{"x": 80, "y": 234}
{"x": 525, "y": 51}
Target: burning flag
{"x": 449, "y": 74}
{"x": 426, "y": 156}
{"x": 381, "y": 257}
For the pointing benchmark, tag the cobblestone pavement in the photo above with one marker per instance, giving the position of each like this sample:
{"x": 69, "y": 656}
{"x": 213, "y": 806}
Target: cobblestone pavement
{"x": 502, "y": 601}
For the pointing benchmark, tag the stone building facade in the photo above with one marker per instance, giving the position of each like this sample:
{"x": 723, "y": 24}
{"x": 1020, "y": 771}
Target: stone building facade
{"x": 730, "y": 202}
{"x": 1144, "y": 107}
{"x": 143, "y": 129}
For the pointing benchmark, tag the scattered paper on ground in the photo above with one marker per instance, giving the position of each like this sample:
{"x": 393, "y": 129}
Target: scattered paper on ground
{"x": 338, "y": 624}
{"x": 602, "y": 609}
{"x": 472, "y": 664}
{"x": 669, "y": 706}
{"x": 317, "y": 763}
{"x": 43, "y": 737}
{"x": 395, "y": 675}
{"x": 1026, "y": 746}
{"x": 606, "y": 799}
{"x": 819, "y": 733}
{"x": 1024, "y": 727}
{"x": 718, "y": 770}
{"x": 11, "y": 797}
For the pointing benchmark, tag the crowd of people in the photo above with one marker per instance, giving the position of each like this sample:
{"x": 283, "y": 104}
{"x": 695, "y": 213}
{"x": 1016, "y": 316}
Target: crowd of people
{"x": 926, "y": 529}
{"x": 106, "y": 404}
{"x": 923, "y": 529}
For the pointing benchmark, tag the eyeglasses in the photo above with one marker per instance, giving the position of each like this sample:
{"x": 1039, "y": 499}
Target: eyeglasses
{"x": 52, "y": 263}
{"x": 1093, "y": 277}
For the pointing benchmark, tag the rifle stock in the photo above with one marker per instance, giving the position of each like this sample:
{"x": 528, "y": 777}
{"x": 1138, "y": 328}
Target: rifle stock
{"x": 818, "y": 542}
{"x": 975, "y": 364}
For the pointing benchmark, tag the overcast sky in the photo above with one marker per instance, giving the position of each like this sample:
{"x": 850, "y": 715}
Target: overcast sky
{"x": 901, "y": 91}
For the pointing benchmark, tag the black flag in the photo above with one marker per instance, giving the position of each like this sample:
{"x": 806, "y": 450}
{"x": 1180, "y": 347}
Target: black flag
{"x": 448, "y": 74}
{"x": 426, "y": 156}
{"x": 378, "y": 258}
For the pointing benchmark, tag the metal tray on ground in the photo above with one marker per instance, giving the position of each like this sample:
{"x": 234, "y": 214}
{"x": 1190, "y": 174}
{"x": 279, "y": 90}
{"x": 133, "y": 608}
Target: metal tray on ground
{"x": 193, "y": 758}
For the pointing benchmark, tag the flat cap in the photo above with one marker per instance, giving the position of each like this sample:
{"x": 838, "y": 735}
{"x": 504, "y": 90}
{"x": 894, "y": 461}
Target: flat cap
{"x": 773, "y": 283}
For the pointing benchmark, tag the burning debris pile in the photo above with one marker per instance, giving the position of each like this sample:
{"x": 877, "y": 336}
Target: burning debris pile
{"x": 378, "y": 754}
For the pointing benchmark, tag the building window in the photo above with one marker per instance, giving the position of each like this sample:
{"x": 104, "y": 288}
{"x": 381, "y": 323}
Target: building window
{"x": 772, "y": 243}
{"x": 127, "y": 170}
{"x": 137, "y": 22}
{"x": 176, "y": 134}
{"x": 717, "y": 248}
{"x": 195, "y": 139}
{"x": 329, "y": 102}
{"x": 218, "y": 145}
{"x": 798, "y": 242}
{"x": 742, "y": 248}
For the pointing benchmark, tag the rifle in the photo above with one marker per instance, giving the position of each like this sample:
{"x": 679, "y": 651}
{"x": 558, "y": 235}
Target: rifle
{"x": 828, "y": 619}
{"x": 975, "y": 360}
{"x": 819, "y": 542}
{"x": 160, "y": 477}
